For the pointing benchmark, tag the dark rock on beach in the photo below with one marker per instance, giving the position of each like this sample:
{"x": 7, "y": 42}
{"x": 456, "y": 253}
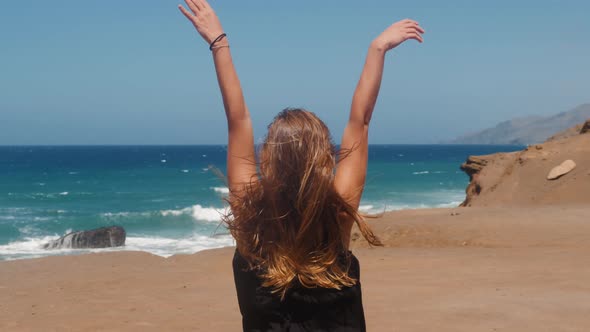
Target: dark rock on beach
{"x": 105, "y": 237}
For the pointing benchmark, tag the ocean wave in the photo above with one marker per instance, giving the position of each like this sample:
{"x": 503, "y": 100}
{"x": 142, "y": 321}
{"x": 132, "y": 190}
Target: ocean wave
{"x": 32, "y": 247}
{"x": 198, "y": 212}
{"x": 421, "y": 172}
{"x": 29, "y": 247}
{"x": 166, "y": 247}
{"x": 366, "y": 208}
{"x": 50, "y": 195}
{"x": 449, "y": 205}
{"x": 420, "y": 200}
{"x": 221, "y": 190}
{"x": 411, "y": 206}
{"x": 124, "y": 214}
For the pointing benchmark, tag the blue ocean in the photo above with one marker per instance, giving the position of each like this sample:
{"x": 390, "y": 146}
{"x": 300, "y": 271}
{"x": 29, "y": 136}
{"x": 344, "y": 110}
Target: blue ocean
{"x": 169, "y": 199}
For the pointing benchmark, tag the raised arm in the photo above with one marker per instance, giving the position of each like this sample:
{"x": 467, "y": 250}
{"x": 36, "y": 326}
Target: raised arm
{"x": 352, "y": 167}
{"x": 241, "y": 167}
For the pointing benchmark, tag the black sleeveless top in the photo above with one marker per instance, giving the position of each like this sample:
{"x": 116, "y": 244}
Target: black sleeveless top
{"x": 303, "y": 309}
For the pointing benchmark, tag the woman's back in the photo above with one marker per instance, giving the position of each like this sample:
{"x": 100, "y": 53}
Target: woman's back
{"x": 292, "y": 212}
{"x": 302, "y": 309}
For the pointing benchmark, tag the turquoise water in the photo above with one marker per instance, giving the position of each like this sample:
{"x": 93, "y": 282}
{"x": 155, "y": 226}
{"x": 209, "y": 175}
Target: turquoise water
{"x": 169, "y": 200}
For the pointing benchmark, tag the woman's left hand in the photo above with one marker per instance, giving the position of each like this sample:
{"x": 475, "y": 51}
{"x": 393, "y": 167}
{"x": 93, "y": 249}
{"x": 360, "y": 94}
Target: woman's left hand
{"x": 203, "y": 18}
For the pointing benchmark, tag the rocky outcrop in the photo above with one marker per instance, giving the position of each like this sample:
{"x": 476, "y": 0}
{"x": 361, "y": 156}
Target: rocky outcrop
{"x": 521, "y": 178}
{"x": 581, "y": 128}
{"x": 482, "y": 171}
{"x": 474, "y": 165}
{"x": 105, "y": 237}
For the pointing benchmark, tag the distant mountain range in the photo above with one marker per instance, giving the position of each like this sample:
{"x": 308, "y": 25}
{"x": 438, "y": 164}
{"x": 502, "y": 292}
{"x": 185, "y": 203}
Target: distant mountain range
{"x": 527, "y": 130}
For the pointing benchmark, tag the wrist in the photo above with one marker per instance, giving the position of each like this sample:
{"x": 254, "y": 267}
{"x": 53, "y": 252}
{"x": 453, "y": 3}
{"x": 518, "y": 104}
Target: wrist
{"x": 220, "y": 46}
{"x": 222, "y": 43}
{"x": 217, "y": 40}
{"x": 378, "y": 46}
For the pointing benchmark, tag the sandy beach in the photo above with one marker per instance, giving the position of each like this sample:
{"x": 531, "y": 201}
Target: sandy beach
{"x": 463, "y": 269}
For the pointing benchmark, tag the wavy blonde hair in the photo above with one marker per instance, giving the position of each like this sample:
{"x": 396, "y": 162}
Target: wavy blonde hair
{"x": 289, "y": 223}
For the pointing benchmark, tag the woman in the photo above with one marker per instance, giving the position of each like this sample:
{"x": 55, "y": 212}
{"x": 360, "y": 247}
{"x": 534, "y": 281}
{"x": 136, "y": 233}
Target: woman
{"x": 292, "y": 219}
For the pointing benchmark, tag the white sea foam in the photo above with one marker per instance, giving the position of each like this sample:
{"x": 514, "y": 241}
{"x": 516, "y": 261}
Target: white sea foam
{"x": 125, "y": 214}
{"x": 115, "y": 214}
{"x": 28, "y": 230}
{"x": 221, "y": 190}
{"x": 366, "y": 208}
{"x": 184, "y": 171}
{"x": 163, "y": 160}
{"x": 198, "y": 212}
{"x": 419, "y": 200}
{"x": 32, "y": 247}
{"x": 167, "y": 247}
{"x": 421, "y": 172}
{"x": 65, "y": 193}
{"x": 449, "y": 205}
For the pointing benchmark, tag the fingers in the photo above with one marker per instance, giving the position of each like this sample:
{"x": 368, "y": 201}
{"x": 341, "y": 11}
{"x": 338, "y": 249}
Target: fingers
{"x": 192, "y": 6}
{"x": 411, "y": 23}
{"x": 414, "y": 35}
{"x": 198, "y": 4}
{"x": 203, "y": 4}
{"x": 206, "y": 4}
{"x": 186, "y": 13}
{"x": 408, "y": 21}
{"x": 414, "y": 32}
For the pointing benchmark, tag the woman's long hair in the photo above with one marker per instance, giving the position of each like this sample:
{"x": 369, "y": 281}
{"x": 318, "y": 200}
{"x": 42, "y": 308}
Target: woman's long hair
{"x": 289, "y": 223}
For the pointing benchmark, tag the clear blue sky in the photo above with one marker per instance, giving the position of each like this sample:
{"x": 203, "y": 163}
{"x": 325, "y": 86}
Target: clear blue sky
{"x": 136, "y": 72}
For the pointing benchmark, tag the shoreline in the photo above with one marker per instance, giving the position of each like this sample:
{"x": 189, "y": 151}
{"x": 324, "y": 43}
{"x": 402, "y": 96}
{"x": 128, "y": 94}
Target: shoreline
{"x": 32, "y": 246}
{"x": 461, "y": 269}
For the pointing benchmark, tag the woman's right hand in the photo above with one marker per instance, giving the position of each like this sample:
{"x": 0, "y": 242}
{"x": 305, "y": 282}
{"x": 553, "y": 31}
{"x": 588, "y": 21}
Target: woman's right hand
{"x": 398, "y": 33}
{"x": 203, "y": 18}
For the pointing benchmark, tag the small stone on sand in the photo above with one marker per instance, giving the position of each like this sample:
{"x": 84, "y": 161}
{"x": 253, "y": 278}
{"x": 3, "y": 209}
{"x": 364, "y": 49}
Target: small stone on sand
{"x": 565, "y": 167}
